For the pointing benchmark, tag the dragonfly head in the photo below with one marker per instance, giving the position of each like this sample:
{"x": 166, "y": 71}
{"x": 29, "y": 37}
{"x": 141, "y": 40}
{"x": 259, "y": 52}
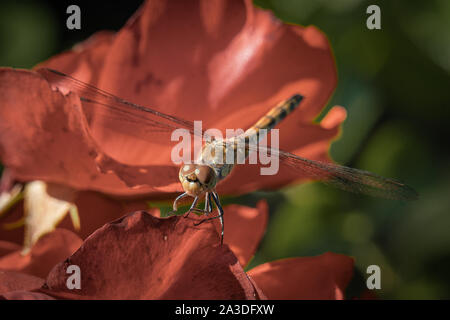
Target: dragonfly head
{"x": 197, "y": 178}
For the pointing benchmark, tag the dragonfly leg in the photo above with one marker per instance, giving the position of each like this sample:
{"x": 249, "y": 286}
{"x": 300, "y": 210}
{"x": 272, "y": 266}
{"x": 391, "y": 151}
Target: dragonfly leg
{"x": 208, "y": 206}
{"x": 174, "y": 205}
{"x": 192, "y": 208}
{"x": 210, "y": 209}
{"x": 216, "y": 200}
{"x": 219, "y": 207}
{"x": 181, "y": 196}
{"x": 208, "y": 203}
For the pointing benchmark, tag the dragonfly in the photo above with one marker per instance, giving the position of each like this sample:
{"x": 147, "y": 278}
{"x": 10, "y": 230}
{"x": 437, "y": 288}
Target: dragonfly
{"x": 200, "y": 178}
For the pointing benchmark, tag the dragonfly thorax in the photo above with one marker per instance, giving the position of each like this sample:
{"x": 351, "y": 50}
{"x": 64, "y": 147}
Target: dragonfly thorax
{"x": 197, "y": 178}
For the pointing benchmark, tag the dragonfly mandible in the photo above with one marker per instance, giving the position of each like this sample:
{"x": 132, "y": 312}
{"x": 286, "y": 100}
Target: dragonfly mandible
{"x": 199, "y": 179}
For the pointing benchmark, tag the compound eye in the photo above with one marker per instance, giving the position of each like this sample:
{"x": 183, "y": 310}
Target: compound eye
{"x": 187, "y": 169}
{"x": 204, "y": 174}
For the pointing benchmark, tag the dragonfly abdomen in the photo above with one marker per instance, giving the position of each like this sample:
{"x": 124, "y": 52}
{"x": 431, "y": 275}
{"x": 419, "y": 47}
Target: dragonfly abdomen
{"x": 273, "y": 117}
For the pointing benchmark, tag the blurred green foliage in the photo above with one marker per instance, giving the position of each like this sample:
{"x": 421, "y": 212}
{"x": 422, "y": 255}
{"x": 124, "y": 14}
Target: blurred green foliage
{"x": 394, "y": 82}
{"x": 28, "y": 33}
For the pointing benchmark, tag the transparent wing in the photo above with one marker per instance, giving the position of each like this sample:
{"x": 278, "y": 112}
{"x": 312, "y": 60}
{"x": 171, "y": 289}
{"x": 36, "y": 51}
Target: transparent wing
{"x": 342, "y": 177}
{"x": 350, "y": 179}
{"x": 138, "y": 119}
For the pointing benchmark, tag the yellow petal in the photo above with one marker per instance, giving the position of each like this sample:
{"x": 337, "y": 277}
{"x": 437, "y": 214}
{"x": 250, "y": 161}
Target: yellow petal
{"x": 43, "y": 213}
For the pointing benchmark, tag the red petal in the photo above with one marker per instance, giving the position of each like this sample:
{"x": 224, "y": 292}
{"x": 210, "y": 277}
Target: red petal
{"x": 143, "y": 257}
{"x": 15, "y": 235}
{"x": 25, "y": 295}
{"x": 44, "y": 133}
{"x": 321, "y": 277}
{"x": 86, "y": 60}
{"x": 15, "y": 281}
{"x": 48, "y": 251}
{"x": 6, "y": 180}
{"x": 8, "y": 247}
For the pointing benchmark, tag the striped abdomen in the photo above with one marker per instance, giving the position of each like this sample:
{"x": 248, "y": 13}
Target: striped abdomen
{"x": 261, "y": 128}
{"x": 274, "y": 116}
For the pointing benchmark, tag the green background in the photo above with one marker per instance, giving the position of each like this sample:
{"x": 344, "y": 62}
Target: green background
{"x": 395, "y": 84}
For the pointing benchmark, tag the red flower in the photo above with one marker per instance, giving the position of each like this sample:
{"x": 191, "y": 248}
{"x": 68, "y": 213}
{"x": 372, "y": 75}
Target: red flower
{"x": 228, "y": 68}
